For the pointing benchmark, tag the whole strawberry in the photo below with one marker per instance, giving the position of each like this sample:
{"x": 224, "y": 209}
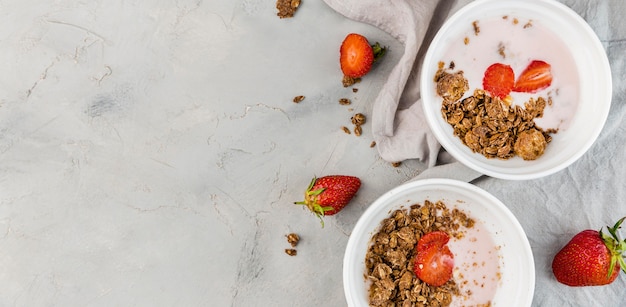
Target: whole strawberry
{"x": 591, "y": 258}
{"x": 329, "y": 194}
{"x": 356, "y": 55}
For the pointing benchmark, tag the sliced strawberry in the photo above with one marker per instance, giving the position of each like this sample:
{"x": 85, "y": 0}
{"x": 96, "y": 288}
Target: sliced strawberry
{"x": 499, "y": 80}
{"x": 434, "y": 261}
{"x": 356, "y": 55}
{"x": 535, "y": 77}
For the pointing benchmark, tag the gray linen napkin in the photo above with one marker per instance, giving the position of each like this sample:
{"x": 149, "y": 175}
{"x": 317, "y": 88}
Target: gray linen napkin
{"x": 398, "y": 123}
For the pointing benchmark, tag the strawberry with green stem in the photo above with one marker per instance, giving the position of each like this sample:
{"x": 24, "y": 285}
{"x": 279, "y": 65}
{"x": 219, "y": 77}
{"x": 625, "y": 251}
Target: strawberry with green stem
{"x": 356, "y": 55}
{"x": 329, "y": 194}
{"x": 591, "y": 258}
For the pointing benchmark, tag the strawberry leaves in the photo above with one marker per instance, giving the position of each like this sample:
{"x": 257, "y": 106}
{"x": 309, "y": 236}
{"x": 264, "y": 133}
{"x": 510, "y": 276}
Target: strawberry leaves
{"x": 616, "y": 247}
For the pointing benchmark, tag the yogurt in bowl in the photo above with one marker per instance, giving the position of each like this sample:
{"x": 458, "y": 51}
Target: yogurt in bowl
{"x": 492, "y": 257}
{"x": 516, "y": 33}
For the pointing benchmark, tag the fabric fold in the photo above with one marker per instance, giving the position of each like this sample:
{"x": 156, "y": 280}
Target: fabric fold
{"x": 398, "y": 124}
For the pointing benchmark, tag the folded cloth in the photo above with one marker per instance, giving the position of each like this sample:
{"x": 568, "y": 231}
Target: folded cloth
{"x": 398, "y": 124}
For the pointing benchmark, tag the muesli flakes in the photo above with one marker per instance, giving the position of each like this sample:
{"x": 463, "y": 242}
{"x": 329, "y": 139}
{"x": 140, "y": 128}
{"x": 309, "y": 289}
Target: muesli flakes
{"x": 287, "y": 8}
{"x": 390, "y": 257}
{"x": 348, "y": 81}
{"x": 489, "y": 125}
{"x": 293, "y": 239}
{"x": 345, "y": 101}
{"x": 298, "y": 99}
{"x": 358, "y": 119}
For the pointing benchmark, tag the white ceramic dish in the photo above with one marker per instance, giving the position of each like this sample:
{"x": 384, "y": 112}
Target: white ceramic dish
{"x": 594, "y": 86}
{"x": 517, "y": 283}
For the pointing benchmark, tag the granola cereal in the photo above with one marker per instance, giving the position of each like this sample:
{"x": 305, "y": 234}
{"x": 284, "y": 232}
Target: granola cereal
{"x": 358, "y": 119}
{"x": 390, "y": 257}
{"x": 345, "y": 101}
{"x": 489, "y": 125}
{"x": 293, "y": 239}
{"x": 348, "y": 81}
{"x": 287, "y": 8}
{"x": 298, "y": 99}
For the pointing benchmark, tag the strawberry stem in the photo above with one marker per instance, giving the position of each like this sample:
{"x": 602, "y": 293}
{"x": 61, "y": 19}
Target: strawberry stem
{"x": 310, "y": 201}
{"x": 379, "y": 51}
{"x": 616, "y": 246}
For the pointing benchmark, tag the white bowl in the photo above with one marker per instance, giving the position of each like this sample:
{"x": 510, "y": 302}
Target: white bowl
{"x": 588, "y": 113}
{"x": 517, "y": 269}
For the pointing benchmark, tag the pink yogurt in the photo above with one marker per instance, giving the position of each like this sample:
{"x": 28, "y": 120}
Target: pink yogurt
{"x": 521, "y": 40}
{"x": 477, "y": 264}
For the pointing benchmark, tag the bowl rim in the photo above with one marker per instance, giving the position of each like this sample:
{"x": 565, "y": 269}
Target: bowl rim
{"x": 478, "y": 163}
{"x": 383, "y": 204}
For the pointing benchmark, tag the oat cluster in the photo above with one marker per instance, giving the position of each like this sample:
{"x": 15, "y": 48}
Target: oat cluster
{"x": 489, "y": 125}
{"x": 390, "y": 258}
{"x": 287, "y": 8}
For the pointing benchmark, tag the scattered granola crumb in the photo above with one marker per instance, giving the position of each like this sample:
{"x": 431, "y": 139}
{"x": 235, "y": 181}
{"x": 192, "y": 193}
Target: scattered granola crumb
{"x": 291, "y": 251}
{"x": 348, "y": 81}
{"x": 528, "y": 24}
{"x": 345, "y": 101}
{"x": 466, "y": 40}
{"x": 515, "y": 21}
{"x": 287, "y": 8}
{"x": 372, "y": 144}
{"x": 358, "y": 119}
{"x": 476, "y": 27}
{"x": 501, "y": 49}
{"x": 298, "y": 99}
{"x": 345, "y": 129}
{"x": 396, "y": 164}
{"x": 293, "y": 239}
{"x": 358, "y": 130}
{"x": 354, "y": 89}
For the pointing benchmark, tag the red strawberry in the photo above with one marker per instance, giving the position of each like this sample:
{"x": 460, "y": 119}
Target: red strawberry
{"x": 356, "y": 55}
{"x": 499, "y": 80}
{"x": 434, "y": 261}
{"x": 535, "y": 77}
{"x": 591, "y": 258}
{"x": 329, "y": 194}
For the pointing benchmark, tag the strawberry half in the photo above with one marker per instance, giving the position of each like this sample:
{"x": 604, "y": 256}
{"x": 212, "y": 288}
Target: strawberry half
{"x": 499, "y": 80}
{"x": 434, "y": 261}
{"x": 591, "y": 258}
{"x": 356, "y": 55}
{"x": 535, "y": 77}
{"x": 330, "y": 194}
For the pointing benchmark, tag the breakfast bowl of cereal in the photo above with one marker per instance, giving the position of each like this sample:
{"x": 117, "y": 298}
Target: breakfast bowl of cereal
{"x": 516, "y": 89}
{"x": 438, "y": 242}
